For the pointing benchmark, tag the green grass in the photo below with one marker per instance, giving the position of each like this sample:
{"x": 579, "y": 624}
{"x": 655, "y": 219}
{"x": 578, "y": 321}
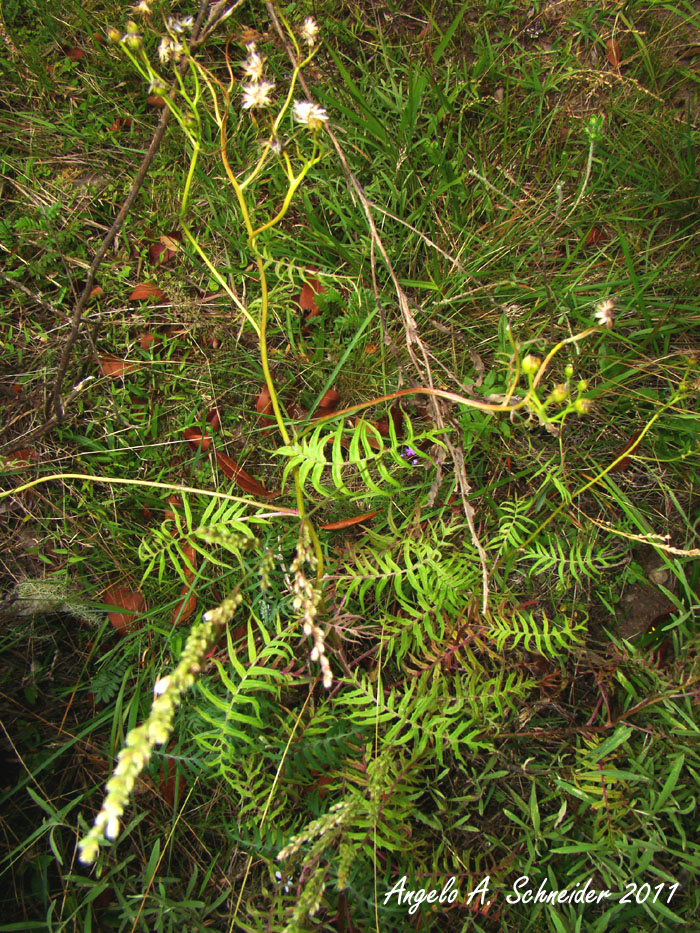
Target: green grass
{"x": 554, "y": 734}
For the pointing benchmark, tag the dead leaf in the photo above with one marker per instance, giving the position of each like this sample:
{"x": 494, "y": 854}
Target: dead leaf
{"x": 75, "y": 55}
{"x": 130, "y": 601}
{"x": 247, "y": 482}
{"x": 176, "y": 503}
{"x": 214, "y": 419}
{"x": 263, "y": 406}
{"x": 147, "y": 290}
{"x": 190, "y": 555}
{"x": 120, "y": 123}
{"x": 625, "y": 463}
{"x": 166, "y": 248}
{"x": 612, "y": 49}
{"x": 171, "y": 781}
{"x": 328, "y": 404}
{"x": 307, "y": 298}
{"x": 155, "y": 100}
{"x": 371, "y": 348}
{"x": 114, "y": 367}
{"x": 347, "y": 522}
{"x": 596, "y": 235}
{"x": 23, "y": 455}
{"x": 186, "y": 607}
{"x": 196, "y": 440}
{"x": 146, "y": 341}
{"x": 97, "y": 292}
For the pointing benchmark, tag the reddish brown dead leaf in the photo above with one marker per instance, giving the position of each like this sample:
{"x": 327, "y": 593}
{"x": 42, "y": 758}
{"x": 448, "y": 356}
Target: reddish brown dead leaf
{"x": 347, "y": 522}
{"x": 329, "y": 403}
{"x": 97, "y": 292}
{"x": 166, "y": 248}
{"x": 170, "y": 781}
{"x": 330, "y": 400}
{"x": 130, "y": 601}
{"x": 263, "y": 406}
{"x": 75, "y": 55}
{"x": 201, "y": 440}
{"x": 120, "y": 123}
{"x": 196, "y": 440}
{"x": 146, "y": 341}
{"x": 186, "y": 607}
{"x": 247, "y": 482}
{"x": 625, "y": 463}
{"x": 24, "y": 455}
{"x": 176, "y": 503}
{"x": 147, "y": 290}
{"x": 596, "y": 235}
{"x": 190, "y": 556}
{"x": 371, "y": 348}
{"x": 612, "y": 50}
{"x": 114, "y": 367}
{"x": 307, "y": 298}
{"x": 155, "y": 100}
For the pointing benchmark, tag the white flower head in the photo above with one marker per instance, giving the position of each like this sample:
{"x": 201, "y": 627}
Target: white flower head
{"x": 257, "y": 94}
{"x": 305, "y": 111}
{"x": 161, "y": 686}
{"x": 309, "y": 31}
{"x": 176, "y": 26}
{"x": 253, "y": 65}
{"x": 604, "y": 312}
{"x": 142, "y": 8}
{"x": 164, "y": 50}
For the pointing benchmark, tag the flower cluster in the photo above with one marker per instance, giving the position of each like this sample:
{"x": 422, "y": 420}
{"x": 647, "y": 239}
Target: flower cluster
{"x": 306, "y": 601}
{"x": 257, "y": 93}
{"x": 141, "y": 741}
{"x": 176, "y": 27}
{"x": 170, "y": 50}
{"x": 336, "y": 816}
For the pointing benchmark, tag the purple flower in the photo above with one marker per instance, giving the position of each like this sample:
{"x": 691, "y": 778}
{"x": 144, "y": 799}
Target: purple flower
{"x": 408, "y": 453}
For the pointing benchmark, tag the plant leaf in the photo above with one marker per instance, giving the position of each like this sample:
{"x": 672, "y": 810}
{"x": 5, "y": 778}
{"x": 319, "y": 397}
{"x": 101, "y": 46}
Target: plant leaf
{"x": 347, "y": 522}
{"x": 235, "y": 472}
{"x": 147, "y": 290}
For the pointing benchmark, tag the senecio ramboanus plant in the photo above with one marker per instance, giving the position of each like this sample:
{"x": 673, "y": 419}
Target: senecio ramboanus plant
{"x": 291, "y": 135}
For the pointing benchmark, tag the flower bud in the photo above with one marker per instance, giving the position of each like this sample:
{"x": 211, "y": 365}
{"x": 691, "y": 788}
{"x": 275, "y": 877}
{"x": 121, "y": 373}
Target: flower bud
{"x": 531, "y": 364}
